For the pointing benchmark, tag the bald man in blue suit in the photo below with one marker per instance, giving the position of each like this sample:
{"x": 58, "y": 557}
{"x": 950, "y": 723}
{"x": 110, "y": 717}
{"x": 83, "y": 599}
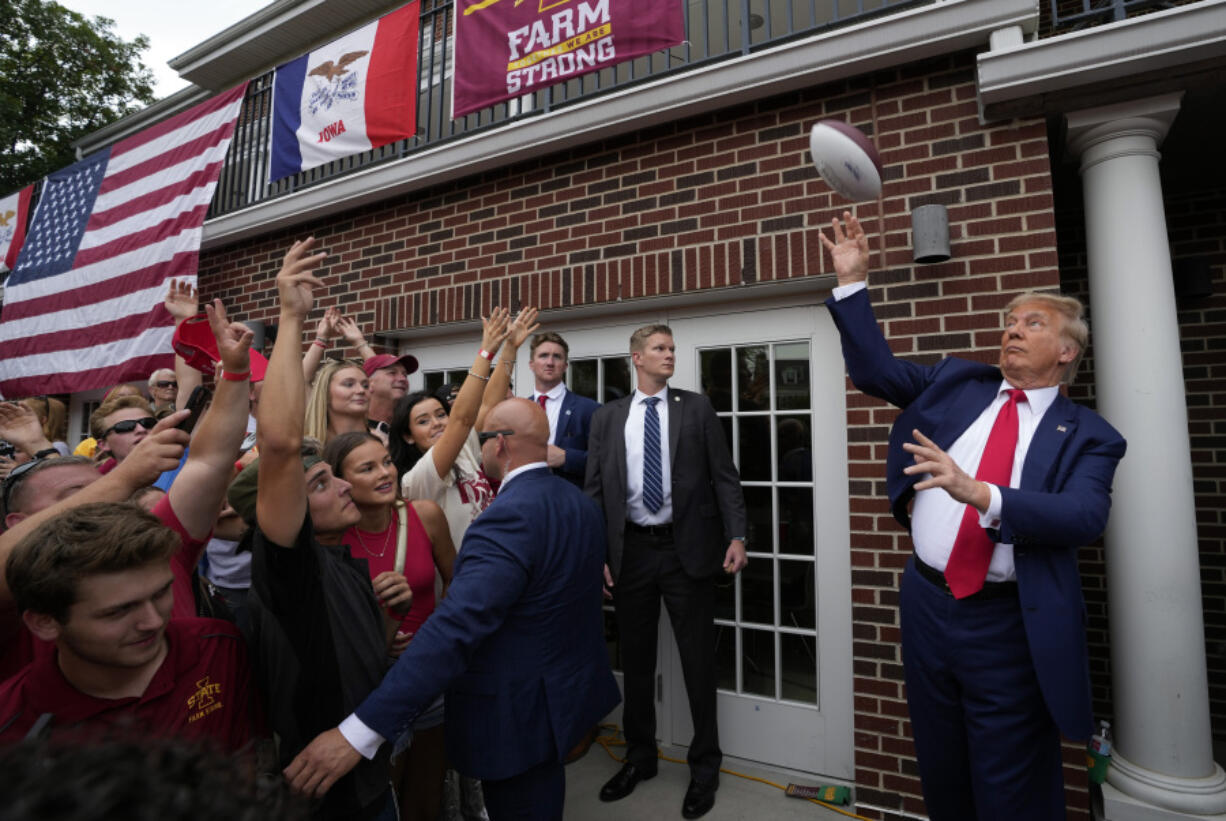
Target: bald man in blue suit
{"x": 996, "y": 670}
{"x": 517, "y": 644}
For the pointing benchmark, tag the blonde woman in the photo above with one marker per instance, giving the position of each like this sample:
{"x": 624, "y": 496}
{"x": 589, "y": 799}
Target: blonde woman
{"x": 337, "y": 401}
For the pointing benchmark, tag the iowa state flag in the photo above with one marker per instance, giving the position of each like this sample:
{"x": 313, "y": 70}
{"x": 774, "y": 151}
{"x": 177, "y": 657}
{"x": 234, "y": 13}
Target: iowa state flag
{"x": 354, "y": 94}
{"x": 13, "y": 211}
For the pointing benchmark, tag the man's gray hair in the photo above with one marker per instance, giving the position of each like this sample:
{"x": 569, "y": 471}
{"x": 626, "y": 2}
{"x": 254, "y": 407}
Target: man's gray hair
{"x": 1074, "y": 329}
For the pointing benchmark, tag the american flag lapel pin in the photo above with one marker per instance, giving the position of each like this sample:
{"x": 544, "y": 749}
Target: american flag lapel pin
{"x": 1061, "y": 429}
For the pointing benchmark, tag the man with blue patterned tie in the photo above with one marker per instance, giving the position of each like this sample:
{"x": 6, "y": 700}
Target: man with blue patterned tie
{"x": 659, "y": 466}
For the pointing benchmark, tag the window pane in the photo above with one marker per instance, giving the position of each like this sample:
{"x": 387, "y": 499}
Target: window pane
{"x": 797, "y": 607}
{"x": 758, "y": 592}
{"x": 753, "y": 379}
{"x": 795, "y": 457}
{"x": 583, "y": 378}
{"x": 758, "y": 662}
{"x": 725, "y": 657}
{"x": 792, "y": 376}
{"x": 754, "y": 436}
{"x": 717, "y": 377}
{"x": 758, "y": 509}
{"x": 725, "y": 597}
{"x": 434, "y": 380}
{"x": 799, "y": 663}
{"x": 617, "y": 382}
{"x": 796, "y": 520}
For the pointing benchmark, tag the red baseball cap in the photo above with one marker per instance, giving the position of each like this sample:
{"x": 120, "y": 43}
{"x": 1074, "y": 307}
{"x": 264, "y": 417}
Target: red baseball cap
{"x": 386, "y": 360}
{"x": 194, "y": 341}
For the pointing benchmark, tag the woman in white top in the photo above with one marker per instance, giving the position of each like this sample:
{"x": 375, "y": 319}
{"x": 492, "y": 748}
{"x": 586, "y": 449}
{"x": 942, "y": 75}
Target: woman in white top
{"x": 436, "y": 452}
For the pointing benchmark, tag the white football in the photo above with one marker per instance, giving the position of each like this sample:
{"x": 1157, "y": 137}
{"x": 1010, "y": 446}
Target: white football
{"x": 846, "y": 159}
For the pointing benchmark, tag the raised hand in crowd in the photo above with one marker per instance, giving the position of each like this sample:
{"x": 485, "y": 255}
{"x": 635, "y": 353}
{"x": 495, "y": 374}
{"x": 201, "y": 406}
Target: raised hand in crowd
{"x": 20, "y": 426}
{"x": 182, "y": 302}
{"x": 354, "y": 337}
{"x": 325, "y": 331}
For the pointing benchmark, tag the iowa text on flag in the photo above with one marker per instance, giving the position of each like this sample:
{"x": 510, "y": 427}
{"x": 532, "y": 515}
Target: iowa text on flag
{"x": 13, "y": 210}
{"x": 83, "y": 308}
{"x": 506, "y": 48}
{"x": 352, "y": 95}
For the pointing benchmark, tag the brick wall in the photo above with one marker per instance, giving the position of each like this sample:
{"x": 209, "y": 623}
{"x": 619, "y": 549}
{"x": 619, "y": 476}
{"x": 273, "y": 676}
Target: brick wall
{"x": 722, "y": 200}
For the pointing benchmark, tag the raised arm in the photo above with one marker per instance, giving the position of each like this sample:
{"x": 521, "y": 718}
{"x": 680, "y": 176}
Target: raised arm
{"x": 19, "y": 426}
{"x": 282, "y": 503}
{"x": 197, "y": 492}
{"x": 467, "y": 403}
{"x": 183, "y": 302}
{"x": 160, "y": 451}
{"x": 524, "y": 326}
{"x": 353, "y": 336}
{"x": 325, "y": 332}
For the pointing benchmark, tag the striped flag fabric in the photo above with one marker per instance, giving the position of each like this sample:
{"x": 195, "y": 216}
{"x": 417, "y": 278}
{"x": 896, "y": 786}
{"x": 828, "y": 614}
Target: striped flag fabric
{"x": 83, "y": 308}
{"x": 13, "y": 211}
{"x": 354, "y": 94}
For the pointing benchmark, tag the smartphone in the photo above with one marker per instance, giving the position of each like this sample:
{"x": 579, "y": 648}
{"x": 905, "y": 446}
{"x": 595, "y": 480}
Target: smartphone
{"x": 195, "y": 405}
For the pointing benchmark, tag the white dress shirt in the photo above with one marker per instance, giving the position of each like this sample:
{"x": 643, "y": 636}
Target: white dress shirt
{"x": 553, "y": 408}
{"x": 636, "y": 511}
{"x": 935, "y": 515}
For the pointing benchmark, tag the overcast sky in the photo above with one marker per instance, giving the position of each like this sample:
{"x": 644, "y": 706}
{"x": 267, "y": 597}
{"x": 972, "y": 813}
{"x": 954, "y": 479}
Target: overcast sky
{"x": 172, "y": 28}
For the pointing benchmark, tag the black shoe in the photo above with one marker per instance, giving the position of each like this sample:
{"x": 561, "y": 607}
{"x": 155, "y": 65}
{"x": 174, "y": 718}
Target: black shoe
{"x": 699, "y": 798}
{"x": 622, "y": 784}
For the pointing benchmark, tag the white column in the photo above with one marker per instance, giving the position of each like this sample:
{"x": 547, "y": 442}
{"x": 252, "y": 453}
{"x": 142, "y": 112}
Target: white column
{"x": 1163, "y": 761}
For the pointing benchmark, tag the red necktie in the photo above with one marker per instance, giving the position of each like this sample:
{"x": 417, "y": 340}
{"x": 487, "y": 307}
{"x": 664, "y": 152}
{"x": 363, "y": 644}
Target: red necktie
{"x": 540, "y": 400}
{"x": 968, "y": 562}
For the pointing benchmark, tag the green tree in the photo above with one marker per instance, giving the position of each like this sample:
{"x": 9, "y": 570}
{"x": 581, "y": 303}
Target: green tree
{"x": 62, "y": 75}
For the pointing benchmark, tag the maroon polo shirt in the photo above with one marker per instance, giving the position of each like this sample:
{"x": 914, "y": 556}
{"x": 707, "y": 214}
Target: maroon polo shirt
{"x": 20, "y": 647}
{"x": 201, "y": 691}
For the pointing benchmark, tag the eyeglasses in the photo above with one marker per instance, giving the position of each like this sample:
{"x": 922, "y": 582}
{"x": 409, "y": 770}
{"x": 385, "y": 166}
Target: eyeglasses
{"x": 487, "y": 435}
{"x": 129, "y": 425}
{"x": 165, "y": 383}
{"x": 14, "y": 478}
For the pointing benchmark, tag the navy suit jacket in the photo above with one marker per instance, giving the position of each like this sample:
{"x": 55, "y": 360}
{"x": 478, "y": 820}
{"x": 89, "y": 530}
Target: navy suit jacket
{"x": 1062, "y": 501}
{"x": 574, "y": 422}
{"x": 518, "y": 643}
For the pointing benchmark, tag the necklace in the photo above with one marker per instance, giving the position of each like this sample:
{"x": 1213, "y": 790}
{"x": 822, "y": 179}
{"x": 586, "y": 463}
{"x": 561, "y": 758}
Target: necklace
{"x": 387, "y": 538}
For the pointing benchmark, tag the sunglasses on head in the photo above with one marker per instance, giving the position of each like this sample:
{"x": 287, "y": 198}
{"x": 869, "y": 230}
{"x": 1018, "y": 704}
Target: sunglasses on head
{"x": 14, "y": 478}
{"x": 487, "y": 435}
{"x": 165, "y": 383}
{"x": 129, "y": 425}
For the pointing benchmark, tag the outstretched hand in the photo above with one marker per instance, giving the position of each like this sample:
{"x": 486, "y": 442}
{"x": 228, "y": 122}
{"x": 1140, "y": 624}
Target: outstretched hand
{"x": 495, "y": 328}
{"x": 849, "y": 250}
{"x": 326, "y": 329}
{"x": 295, "y": 283}
{"x": 157, "y": 453}
{"x": 321, "y": 763}
{"x": 945, "y": 473}
{"x": 525, "y": 325}
{"x": 19, "y": 425}
{"x": 233, "y": 338}
{"x": 349, "y": 329}
{"x": 182, "y": 300}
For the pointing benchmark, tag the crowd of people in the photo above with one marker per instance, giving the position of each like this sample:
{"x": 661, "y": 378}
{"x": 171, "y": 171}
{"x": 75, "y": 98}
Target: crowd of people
{"x": 360, "y": 589}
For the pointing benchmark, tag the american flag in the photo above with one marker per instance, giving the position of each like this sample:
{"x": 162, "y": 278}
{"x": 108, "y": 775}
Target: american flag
{"x": 83, "y": 308}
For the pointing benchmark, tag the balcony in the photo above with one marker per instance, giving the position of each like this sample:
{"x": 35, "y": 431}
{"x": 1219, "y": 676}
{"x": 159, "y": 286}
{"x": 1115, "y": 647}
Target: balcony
{"x": 716, "y": 31}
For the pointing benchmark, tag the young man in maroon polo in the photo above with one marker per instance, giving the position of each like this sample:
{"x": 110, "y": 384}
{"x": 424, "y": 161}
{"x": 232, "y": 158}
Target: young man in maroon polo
{"x": 96, "y": 581}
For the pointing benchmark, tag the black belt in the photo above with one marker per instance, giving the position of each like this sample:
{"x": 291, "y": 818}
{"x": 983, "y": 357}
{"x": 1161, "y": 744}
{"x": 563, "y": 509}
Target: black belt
{"x": 991, "y": 590}
{"x": 664, "y": 531}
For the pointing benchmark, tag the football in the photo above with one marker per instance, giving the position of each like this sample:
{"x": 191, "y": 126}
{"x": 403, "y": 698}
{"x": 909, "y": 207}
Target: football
{"x": 846, "y": 159}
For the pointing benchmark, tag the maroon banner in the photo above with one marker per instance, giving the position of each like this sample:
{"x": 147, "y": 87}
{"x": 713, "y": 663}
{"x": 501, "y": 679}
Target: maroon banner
{"x": 506, "y": 48}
